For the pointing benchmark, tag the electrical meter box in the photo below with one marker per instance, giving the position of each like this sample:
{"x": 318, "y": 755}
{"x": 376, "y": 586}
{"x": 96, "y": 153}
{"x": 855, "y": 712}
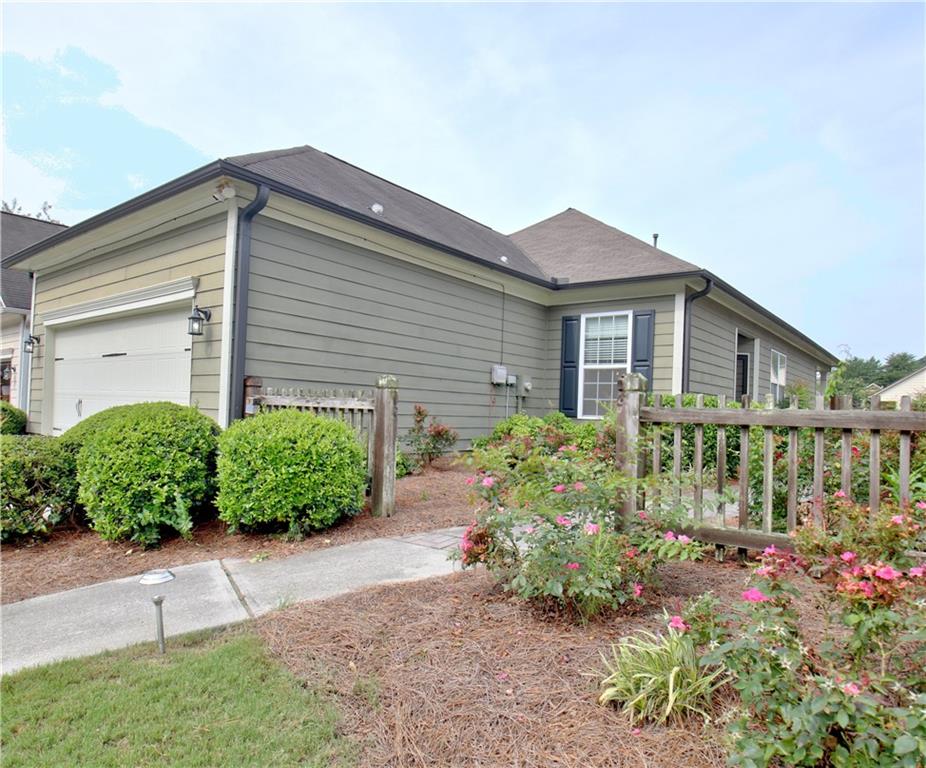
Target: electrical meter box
{"x": 499, "y": 375}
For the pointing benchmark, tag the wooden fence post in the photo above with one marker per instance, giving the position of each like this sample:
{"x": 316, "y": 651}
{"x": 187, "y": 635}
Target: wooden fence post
{"x": 628, "y": 436}
{"x": 385, "y": 416}
{"x": 252, "y": 388}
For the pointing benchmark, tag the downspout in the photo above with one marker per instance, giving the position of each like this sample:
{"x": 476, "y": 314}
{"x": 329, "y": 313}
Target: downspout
{"x": 686, "y": 340}
{"x": 242, "y": 283}
{"x": 25, "y": 376}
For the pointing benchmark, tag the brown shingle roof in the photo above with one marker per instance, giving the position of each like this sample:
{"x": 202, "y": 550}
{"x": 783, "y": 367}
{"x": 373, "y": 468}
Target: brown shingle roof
{"x": 17, "y": 232}
{"x": 582, "y": 249}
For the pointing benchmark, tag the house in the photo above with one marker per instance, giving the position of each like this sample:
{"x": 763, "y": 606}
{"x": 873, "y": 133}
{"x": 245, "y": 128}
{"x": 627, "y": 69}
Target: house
{"x": 307, "y": 271}
{"x": 912, "y": 384}
{"x": 16, "y": 232}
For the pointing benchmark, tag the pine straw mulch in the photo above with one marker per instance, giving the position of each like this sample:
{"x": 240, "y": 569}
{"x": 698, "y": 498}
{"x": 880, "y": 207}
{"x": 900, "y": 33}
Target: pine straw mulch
{"x": 451, "y": 672}
{"x": 437, "y": 498}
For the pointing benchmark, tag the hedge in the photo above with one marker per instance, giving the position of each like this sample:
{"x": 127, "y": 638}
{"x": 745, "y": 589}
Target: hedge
{"x": 38, "y": 487}
{"x": 12, "y": 420}
{"x": 145, "y": 468}
{"x": 289, "y": 467}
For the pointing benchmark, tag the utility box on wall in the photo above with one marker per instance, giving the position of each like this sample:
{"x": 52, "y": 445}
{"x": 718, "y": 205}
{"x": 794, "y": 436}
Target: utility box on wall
{"x": 499, "y": 375}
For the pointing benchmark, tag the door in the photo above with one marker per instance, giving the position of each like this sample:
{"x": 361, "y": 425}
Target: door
{"x": 129, "y": 359}
{"x": 742, "y": 376}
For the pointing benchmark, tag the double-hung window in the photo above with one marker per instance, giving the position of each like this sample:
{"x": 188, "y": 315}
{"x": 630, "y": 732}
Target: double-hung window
{"x": 604, "y": 351}
{"x": 779, "y": 375}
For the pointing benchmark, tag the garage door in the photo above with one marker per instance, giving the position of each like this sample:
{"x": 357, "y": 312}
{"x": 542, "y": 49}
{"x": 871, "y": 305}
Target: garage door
{"x": 132, "y": 359}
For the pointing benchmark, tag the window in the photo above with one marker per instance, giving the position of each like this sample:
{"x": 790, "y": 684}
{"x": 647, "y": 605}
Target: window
{"x": 779, "y": 375}
{"x": 604, "y": 352}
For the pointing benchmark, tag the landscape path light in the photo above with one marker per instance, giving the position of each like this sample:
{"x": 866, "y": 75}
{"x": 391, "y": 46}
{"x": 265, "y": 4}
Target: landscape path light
{"x": 158, "y": 576}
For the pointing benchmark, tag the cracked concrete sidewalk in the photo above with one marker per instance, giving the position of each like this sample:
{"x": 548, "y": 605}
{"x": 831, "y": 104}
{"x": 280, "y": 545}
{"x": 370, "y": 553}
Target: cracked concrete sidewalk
{"x": 114, "y": 614}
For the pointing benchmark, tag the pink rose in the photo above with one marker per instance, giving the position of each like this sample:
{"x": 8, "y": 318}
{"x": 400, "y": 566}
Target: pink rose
{"x": 770, "y": 550}
{"x": 676, "y": 622}
{"x": 470, "y": 480}
{"x": 917, "y": 570}
{"x": 488, "y": 481}
{"x": 560, "y": 520}
{"x": 670, "y": 536}
{"x": 840, "y": 494}
{"x": 637, "y": 589}
{"x": 852, "y": 689}
{"x": 898, "y": 519}
{"x": 573, "y": 566}
{"x": 887, "y": 573}
{"x": 559, "y": 488}
{"x": 921, "y": 505}
{"x": 848, "y": 557}
{"x": 684, "y": 539}
{"x": 754, "y": 595}
{"x": 530, "y": 529}
{"x": 579, "y": 486}
{"x": 765, "y": 570}
{"x": 592, "y": 528}
{"x": 641, "y": 515}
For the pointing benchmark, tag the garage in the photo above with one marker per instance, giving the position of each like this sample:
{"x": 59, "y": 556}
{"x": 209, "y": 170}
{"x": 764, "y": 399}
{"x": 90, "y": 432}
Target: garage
{"x": 124, "y": 359}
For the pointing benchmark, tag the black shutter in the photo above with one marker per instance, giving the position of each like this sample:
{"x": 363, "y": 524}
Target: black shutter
{"x": 569, "y": 367}
{"x": 641, "y": 360}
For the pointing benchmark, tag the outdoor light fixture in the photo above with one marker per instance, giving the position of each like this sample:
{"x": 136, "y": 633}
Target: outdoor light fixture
{"x": 197, "y": 320}
{"x": 158, "y": 576}
{"x": 29, "y": 344}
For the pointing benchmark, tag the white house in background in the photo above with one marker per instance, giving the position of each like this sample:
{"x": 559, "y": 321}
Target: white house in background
{"x": 912, "y": 384}
{"x": 17, "y": 232}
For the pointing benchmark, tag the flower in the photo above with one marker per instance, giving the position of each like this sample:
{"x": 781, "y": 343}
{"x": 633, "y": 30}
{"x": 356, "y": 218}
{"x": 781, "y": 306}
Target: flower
{"x": 470, "y": 480}
{"x": 637, "y": 589}
{"x": 753, "y": 595}
{"x": 676, "y": 622}
{"x": 855, "y": 451}
{"x": 592, "y": 528}
{"x": 488, "y": 481}
{"x": 852, "y": 689}
{"x": 917, "y": 570}
{"x": 765, "y": 570}
{"x": 641, "y": 514}
{"x": 559, "y": 488}
{"x": 636, "y": 731}
{"x": 887, "y": 573}
{"x": 848, "y": 557}
{"x": 840, "y": 494}
{"x": 770, "y": 550}
{"x": 921, "y": 505}
{"x": 579, "y": 486}
{"x": 530, "y": 529}
{"x": 670, "y": 536}
{"x": 898, "y": 520}
{"x": 573, "y": 566}
{"x": 560, "y": 520}
{"x": 684, "y": 539}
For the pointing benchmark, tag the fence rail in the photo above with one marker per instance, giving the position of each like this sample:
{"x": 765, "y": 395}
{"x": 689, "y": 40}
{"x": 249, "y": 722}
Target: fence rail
{"x": 372, "y": 416}
{"x": 634, "y": 444}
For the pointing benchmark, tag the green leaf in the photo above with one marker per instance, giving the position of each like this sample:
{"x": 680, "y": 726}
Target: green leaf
{"x": 904, "y": 743}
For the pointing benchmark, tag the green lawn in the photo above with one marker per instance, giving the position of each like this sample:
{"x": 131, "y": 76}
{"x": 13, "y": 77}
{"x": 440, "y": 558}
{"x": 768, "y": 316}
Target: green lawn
{"x": 213, "y": 700}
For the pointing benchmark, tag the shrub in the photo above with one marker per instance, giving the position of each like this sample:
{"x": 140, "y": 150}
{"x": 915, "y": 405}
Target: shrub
{"x": 38, "y": 487}
{"x": 289, "y": 467}
{"x": 146, "y": 468}
{"x": 12, "y": 419}
{"x": 429, "y": 440}
{"x": 403, "y": 464}
{"x": 659, "y": 677}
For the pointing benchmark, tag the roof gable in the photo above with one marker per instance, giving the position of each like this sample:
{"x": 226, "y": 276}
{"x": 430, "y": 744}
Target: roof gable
{"x": 582, "y": 249}
{"x": 18, "y": 232}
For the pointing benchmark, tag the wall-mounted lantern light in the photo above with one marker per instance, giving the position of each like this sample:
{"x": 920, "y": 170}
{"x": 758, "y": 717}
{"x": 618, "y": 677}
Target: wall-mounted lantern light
{"x": 29, "y": 344}
{"x": 197, "y": 320}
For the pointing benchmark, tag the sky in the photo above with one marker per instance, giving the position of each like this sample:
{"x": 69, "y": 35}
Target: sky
{"x": 779, "y": 146}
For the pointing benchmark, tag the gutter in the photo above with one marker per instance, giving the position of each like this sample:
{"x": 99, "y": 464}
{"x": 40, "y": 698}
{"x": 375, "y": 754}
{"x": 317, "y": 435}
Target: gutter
{"x": 240, "y": 327}
{"x": 686, "y": 339}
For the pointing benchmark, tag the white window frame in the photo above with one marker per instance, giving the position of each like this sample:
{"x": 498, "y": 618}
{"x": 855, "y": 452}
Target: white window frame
{"x": 774, "y": 371}
{"x": 580, "y": 394}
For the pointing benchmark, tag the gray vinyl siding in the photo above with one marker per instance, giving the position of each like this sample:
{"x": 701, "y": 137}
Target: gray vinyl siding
{"x": 325, "y": 314}
{"x": 662, "y": 340}
{"x": 194, "y": 251}
{"x": 713, "y": 348}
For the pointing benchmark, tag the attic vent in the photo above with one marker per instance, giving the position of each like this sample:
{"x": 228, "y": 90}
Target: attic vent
{"x": 377, "y": 208}
{"x": 504, "y": 259}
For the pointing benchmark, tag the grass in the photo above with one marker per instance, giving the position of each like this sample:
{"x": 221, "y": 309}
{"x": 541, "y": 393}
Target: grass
{"x": 215, "y": 699}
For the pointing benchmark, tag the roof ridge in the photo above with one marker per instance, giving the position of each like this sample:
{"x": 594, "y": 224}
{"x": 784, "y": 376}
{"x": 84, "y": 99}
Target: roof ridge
{"x": 270, "y": 154}
{"x": 33, "y": 218}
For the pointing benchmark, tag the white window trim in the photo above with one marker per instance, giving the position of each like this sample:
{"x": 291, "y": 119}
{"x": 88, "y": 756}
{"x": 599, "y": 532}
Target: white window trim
{"x": 772, "y": 370}
{"x": 629, "y": 315}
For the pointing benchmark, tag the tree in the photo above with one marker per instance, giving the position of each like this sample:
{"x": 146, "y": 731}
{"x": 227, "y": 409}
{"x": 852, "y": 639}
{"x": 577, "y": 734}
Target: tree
{"x": 899, "y": 364}
{"x": 43, "y": 215}
{"x": 855, "y": 374}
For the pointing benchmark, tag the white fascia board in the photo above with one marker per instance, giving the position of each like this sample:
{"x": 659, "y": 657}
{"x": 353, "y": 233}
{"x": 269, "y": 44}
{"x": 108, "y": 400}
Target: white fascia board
{"x": 142, "y": 298}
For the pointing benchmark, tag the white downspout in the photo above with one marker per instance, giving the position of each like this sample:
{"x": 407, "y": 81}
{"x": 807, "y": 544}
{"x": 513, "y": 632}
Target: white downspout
{"x": 25, "y": 380}
{"x": 228, "y": 308}
{"x": 678, "y": 333}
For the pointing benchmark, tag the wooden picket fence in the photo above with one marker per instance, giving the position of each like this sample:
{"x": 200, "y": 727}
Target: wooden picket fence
{"x": 635, "y": 447}
{"x": 372, "y": 415}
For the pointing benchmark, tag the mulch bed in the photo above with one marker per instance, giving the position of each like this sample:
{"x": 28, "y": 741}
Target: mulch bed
{"x": 438, "y": 498}
{"x": 452, "y": 672}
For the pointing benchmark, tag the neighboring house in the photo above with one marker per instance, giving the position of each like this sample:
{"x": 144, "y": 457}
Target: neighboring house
{"x": 912, "y": 384}
{"x": 17, "y": 232}
{"x": 317, "y": 274}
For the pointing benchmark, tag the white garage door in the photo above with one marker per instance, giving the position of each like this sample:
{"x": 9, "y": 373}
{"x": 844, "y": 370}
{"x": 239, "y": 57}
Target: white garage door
{"x": 132, "y": 359}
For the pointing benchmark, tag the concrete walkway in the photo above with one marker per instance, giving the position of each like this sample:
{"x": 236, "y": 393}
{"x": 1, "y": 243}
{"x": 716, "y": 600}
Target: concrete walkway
{"x": 114, "y": 614}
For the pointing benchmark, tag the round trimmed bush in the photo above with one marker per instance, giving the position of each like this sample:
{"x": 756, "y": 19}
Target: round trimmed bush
{"x": 289, "y": 467}
{"x": 145, "y": 469}
{"x": 38, "y": 487}
{"x": 12, "y": 420}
